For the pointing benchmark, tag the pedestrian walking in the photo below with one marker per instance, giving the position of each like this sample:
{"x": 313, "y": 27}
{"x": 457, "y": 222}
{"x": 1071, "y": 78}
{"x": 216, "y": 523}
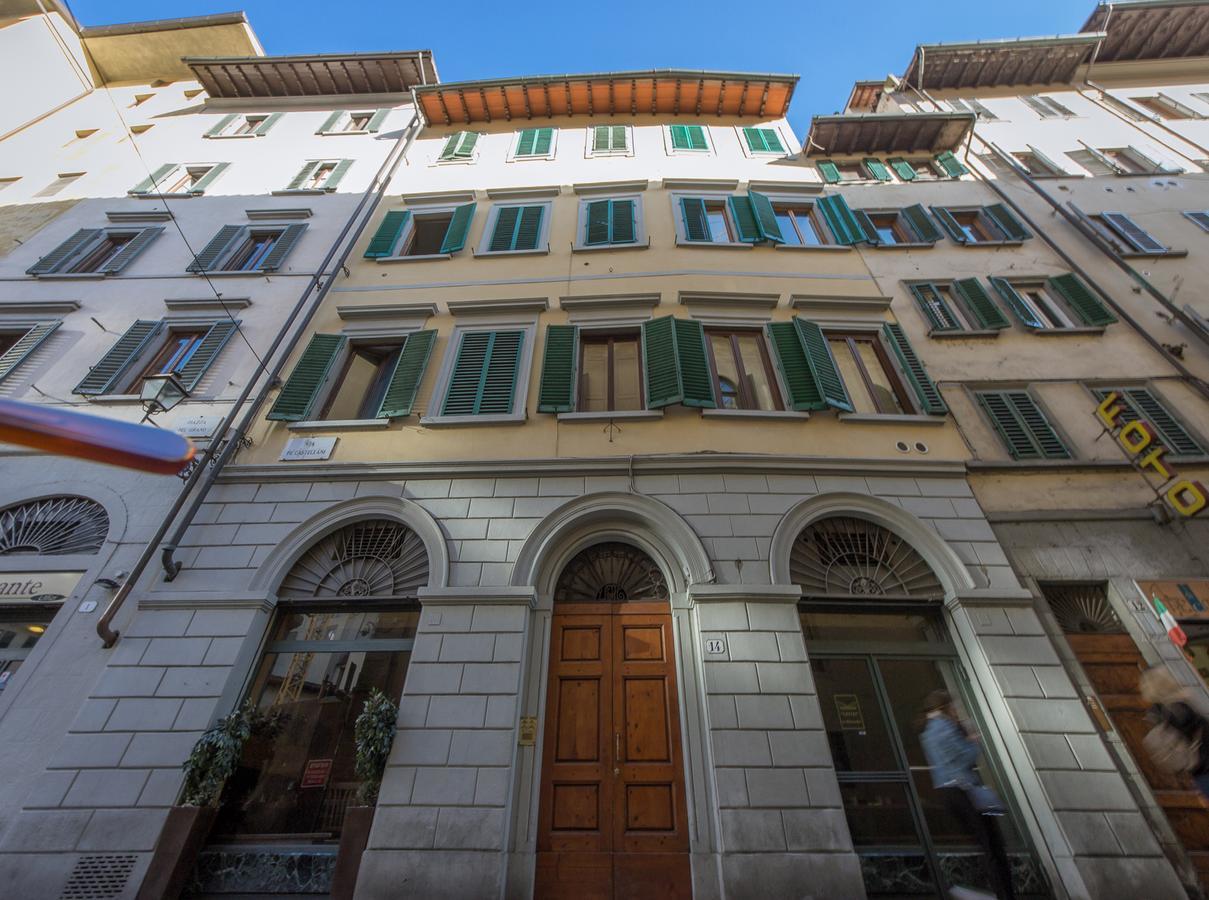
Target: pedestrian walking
{"x": 1176, "y": 743}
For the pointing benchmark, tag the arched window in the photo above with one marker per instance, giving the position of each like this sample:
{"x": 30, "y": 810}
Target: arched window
{"x": 375, "y": 558}
{"x": 611, "y": 573}
{"x": 53, "y": 526}
{"x": 846, "y": 556}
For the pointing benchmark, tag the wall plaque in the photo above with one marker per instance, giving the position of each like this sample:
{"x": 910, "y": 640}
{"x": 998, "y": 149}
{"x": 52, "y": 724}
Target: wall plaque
{"x": 308, "y": 448}
{"x": 527, "y": 734}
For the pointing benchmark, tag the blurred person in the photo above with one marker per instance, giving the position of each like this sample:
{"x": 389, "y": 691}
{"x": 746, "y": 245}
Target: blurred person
{"x": 1177, "y": 741}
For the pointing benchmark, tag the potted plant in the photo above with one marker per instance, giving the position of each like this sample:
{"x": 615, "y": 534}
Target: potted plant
{"x": 213, "y": 760}
{"x": 374, "y": 733}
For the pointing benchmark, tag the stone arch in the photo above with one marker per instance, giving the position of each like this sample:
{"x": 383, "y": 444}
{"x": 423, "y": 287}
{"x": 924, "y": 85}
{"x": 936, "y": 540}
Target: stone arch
{"x": 55, "y": 525}
{"x": 945, "y": 563}
{"x": 300, "y": 539}
{"x": 634, "y": 519}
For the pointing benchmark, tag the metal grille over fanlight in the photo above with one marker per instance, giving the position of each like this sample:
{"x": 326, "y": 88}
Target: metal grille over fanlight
{"x": 611, "y": 573}
{"x": 849, "y": 556}
{"x": 1082, "y": 609}
{"x": 374, "y": 558}
{"x": 55, "y": 526}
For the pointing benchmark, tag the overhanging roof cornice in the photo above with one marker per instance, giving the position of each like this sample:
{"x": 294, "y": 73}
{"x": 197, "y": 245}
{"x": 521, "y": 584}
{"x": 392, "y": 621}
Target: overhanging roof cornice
{"x": 999, "y": 63}
{"x": 656, "y": 92}
{"x": 868, "y": 133}
{"x": 314, "y": 75}
{"x": 1151, "y": 29}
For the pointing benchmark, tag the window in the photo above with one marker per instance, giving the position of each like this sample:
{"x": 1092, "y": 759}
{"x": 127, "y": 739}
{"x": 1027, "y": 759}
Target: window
{"x": 1046, "y": 107}
{"x": 1200, "y": 218}
{"x": 356, "y": 122}
{"x": 16, "y": 346}
{"x": 483, "y": 377}
{"x": 742, "y": 371}
{"x": 1125, "y": 235}
{"x": 459, "y": 147}
{"x": 904, "y": 170}
{"x": 96, "y": 250}
{"x": 252, "y": 251}
{"x": 185, "y": 180}
{"x": 994, "y": 224}
{"x": 1037, "y": 164}
{"x": 688, "y": 138}
{"x": 888, "y": 228}
{"x": 609, "y": 140}
{"x": 155, "y": 347}
{"x": 241, "y": 126}
{"x": 178, "y": 348}
{"x": 1120, "y": 161}
{"x": 241, "y": 248}
{"x": 428, "y": 234}
{"x": 961, "y": 305}
{"x": 1140, "y": 403}
{"x": 836, "y": 173}
{"x": 873, "y": 385}
{"x": 1022, "y": 426}
{"x": 1045, "y": 309}
{"x": 534, "y": 143}
{"x": 610, "y": 378}
{"x": 744, "y": 219}
{"x": 799, "y": 225}
{"x": 516, "y": 228}
{"x": 59, "y": 184}
{"x": 1092, "y": 162}
{"x": 959, "y": 105}
{"x": 353, "y": 122}
{"x": 361, "y": 386}
{"x": 422, "y": 232}
{"x": 1055, "y": 303}
{"x": 608, "y": 222}
{"x": 1166, "y": 108}
{"x": 763, "y": 140}
{"x": 177, "y": 178}
{"x": 320, "y": 175}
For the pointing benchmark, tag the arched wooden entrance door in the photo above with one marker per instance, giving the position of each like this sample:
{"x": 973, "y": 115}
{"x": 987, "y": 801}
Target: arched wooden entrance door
{"x": 613, "y": 820}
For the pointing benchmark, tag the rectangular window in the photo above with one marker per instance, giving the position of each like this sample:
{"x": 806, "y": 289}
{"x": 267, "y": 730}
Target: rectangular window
{"x": 59, "y": 184}
{"x": 241, "y": 126}
{"x": 981, "y": 225}
{"x": 362, "y": 384}
{"x": 610, "y": 377}
{"x": 1165, "y": 107}
{"x": 240, "y": 248}
{"x": 320, "y": 175}
{"x": 427, "y": 234}
{"x": 974, "y": 225}
{"x": 105, "y": 250}
{"x": 891, "y": 229}
{"x": 1047, "y": 310}
{"x": 799, "y": 225}
{"x": 605, "y": 222}
{"x": 1036, "y": 164}
{"x": 873, "y": 385}
{"x": 763, "y": 140}
{"x": 688, "y": 138}
{"x": 534, "y": 143}
{"x": 424, "y": 232}
{"x": 358, "y": 121}
{"x": 959, "y": 105}
{"x": 96, "y": 250}
{"x": 923, "y": 168}
{"x": 459, "y": 147}
{"x": 516, "y": 228}
{"x": 937, "y": 303}
{"x": 1046, "y": 107}
{"x": 252, "y": 251}
{"x": 1022, "y": 426}
{"x": 178, "y": 348}
{"x": 186, "y": 180}
{"x": 1140, "y": 403}
{"x": 742, "y": 370}
{"x": 247, "y": 124}
{"x": 609, "y": 140}
{"x": 484, "y": 375}
{"x": 1091, "y": 162}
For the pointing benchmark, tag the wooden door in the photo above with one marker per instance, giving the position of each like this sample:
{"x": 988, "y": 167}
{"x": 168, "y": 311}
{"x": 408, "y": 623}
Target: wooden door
{"x": 1113, "y": 663}
{"x": 613, "y": 820}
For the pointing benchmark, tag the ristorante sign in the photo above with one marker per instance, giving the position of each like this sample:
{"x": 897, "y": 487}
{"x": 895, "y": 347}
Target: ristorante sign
{"x": 1141, "y": 444}
{"x": 34, "y": 588}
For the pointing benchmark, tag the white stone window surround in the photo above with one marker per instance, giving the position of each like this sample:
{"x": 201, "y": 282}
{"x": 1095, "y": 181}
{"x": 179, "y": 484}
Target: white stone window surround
{"x": 641, "y": 240}
{"x": 589, "y": 141}
{"x": 678, "y": 217}
{"x": 709, "y": 140}
{"x": 764, "y": 154}
{"x": 526, "y": 323}
{"x": 516, "y": 139}
{"x": 543, "y": 237}
{"x": 410, "y": 227}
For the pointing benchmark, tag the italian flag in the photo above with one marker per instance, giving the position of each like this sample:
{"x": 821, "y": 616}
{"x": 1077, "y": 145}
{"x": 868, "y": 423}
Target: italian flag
{"x": 1174, "y": 631}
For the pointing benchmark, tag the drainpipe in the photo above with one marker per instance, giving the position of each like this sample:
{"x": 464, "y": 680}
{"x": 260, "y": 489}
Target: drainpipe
{"x": 358, "y": 217}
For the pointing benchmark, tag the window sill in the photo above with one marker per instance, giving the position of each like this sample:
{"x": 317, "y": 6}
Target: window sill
{"x": 714, "y": 245}
{"x": 302, "y": 192}
{"x": 341, "y": 425}
{"x": 443, "y": 421}
{"x": 337, "y": 133}
{"x": 754, "y": 414}
{"x": 906, "y": 245}
{"x": 223, "y": 273}
{"x": 826, "y": 248}
{"x": 890, "y": 419}
{"x": 538, "y": 251}
{"x": 992, "y": 243}
{"x": 597, "y": 248}
{"x": 147, "y": 195}
{"x": 71, "y": 276}
{"x": 1057, "y": 332}
{"x": 530, "y": 157}
{"x": 426, "y": 257}
{"x": 1139, "y": 254}
{"x": 630, "y": 415}
{"x": 112, "y": 398}
{"x": 231, "y": 137}
{"x": 960, "y": 334}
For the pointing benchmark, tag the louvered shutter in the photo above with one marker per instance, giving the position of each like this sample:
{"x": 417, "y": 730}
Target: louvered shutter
{"x": 451, "y": 146}
{"x": 459, "y": 227}
{"x": 868, "y": 229}
{"x": 503, "y": 365}
{"x": 679, "y": 137}
{"x": 303, "y": 176}
{"x": 1085, "y": 304}
{"x": 822, "y": 365}
{"x": 903, "y": 169}
{"x": 795, "y": 370}
{"x": 199, "y": 186}
{"x": 696, "y": 222}
{"x": 282, "y": 246}
{"x": 1141, "y": 403}
{"x": 375, "y": 121}
{"x": 1016, "y": 303}
{"x": 543, "y": 142}
{"x": 25, "y": 345}
{"x": 269, "y": 121}
{"x": 1023, "y": 427}
{"x": 695, "y": 377}
{"x": 930, "y": 400}
{"x": 840, "y": 219}
{"x": 102, "y": 377}
{"x": 597, "y": 230}
{"x": 934, "y": 308}
{"x": 623, "y": 229}
{"x": 67, "y": 250}
{"x": 217, "y": 128}
{"x": 745, "y": 219}
{"x": 529, "y": 229}
{"x": 949, "y": 224}
{"x": 484, "y": 375}
{"x": 464, "y": 149}
{"x": 505, "y": 228}
{"x": 342, "y": 167}
{"x": 980, "y": 304}
{"x": 557, "y": 390}
{"x": 766, "y": 218}
{"x": 209, "y": 258}
{"x": 1132, "y": 233}
{"x": 461, "y": 397}
{"x": 696, "y": 137}
{"x": 951, "y": 164}
{"x": 133, "y": 248}
{"x": 526, "y": 142}
{"x": 772, "y": 140}
{"x": 330, "y": 122}
{"x": 158, "y": 177}
{"x": 877, "y": 169}
{"x": 1038, "y": 107}
{"x": 1035, "y": 421}
{"x": 1200, "y": 218}
{"x": 400, "y": 395}
{"x": 755, "y": 140}
{"x": 921, "y": 223}
{"x": 829, "y": 171}
{"x": 1012, "y": 227}
{"x": 207, "y": 351}
{"x": 601, "y": 139}
{"x": 384, "y": 239}
{"x": 617, "y": 140}
{"x": 300, "y": 389}
{"x": 661, "y": 368}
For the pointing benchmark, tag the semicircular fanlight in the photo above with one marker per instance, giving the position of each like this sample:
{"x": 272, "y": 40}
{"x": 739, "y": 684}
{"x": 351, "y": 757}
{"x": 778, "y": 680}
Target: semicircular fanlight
{"x": 1082, "y": 609}
{"x": 847, "y": 556}
{"x": 374, "y": 558}
{"x": 611, "y": 573}
{"x": 54, "y": 526}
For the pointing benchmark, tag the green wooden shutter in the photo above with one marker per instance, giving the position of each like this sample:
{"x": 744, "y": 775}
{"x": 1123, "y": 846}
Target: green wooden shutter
{"x": 755, "y": 140}
{"x": 466, "y": 144}
{"x": 951, "y": 164}
{"x": 1016, "y": 303}
{"x": 696, "y": 137}
{"x": 766, "y": 218}
{"x": 269, "y": 121}
{"x": 696, "y": 222}
{"x": 830, "y": 171}
{"x": 921, "y": 223}
{"x": 451, "y": 146}
{"x": 679, "y": 137}
{"x": 210, "y": 255}
{"x": 158, "y": 177}
{"x": 459, "y": 227}
{"x": 1140, "y": 403}
{"x": 1022, "y": 425}
{"x": 772, "y": 141}
{"x": 559, "y": 364}
{"x": 843, "y": 224}
{"x": 661, "y": 368}
{"x": 400, "y": 395}
{"x": 125, "y": 350}
{"x": 597, "y": 231}
{"x": 384, "y": 239}
{"x": 980, "y": 304}
{"x": 601, "y": 139}
{"x": 303, "y": 176}
{"x": 949, "y": 224}
{"x": 745, "y": 219}
{"x": 1086, "y": 304}
{"x": 207, "y": 351}
{"x": 281, "y": 248}
{"x": 930, "y": 400}
{"x": 695, "y": 377}
{"x": 505, "y": 228}
{"x": 503, "y": 366}
{"x": 795, "y": 371}
{"x": 526, "y": 142}
{"x": 529, "y": 229}
{"x": 868, "y": 229}
{"x": 342, "y": 167}
{"x": 617, "y": 140}
{"x": 199, "y": 186}
{"x": 302, "y": 387}
{"x": 217, "y": 127}
{"x": 133, "y": 248}
{"x": 25, "y": 345}
{"x": 545, "y": 140}
{"x": 469, "y": 366}
{"x": 375, "y": 121}
{"x": 622, "y": 227}
{"x": 932, "y": 303}
{"x": 484, "y": 374}
{"x": 822, "y": 365}
{"x": 1012, "y": 227}
{"x": 66, "y": 251}
{"x": 903, "y": 169}
{"x": 330, "y": 122}
{"x": 877, "y": 169}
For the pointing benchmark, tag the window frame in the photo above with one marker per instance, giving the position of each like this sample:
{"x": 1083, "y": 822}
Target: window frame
{"x": 910, "y": 407}
{"x": 708, "y": 150}
{"x": 524, "y": 369}
{"x": 741, "y": 136}
{"x": 1058, "y": 109}
{"x": 409, "y": 227}
{"x": 326, "y": 187}
{"x": 513, "y": 156}
{"x": 144, "y": 365}
{"x": 581, "y": 222}
{"x": 951, "y": 304}
{"x": 1166, "y": 108}
{"x": 543, "y": 237}
{"x": 1023, "y": 284}
{"x": 609, "y": 334}
{"x": 590, "y": 142}
{"x": 816, "y": 219}
{"x": 1191, "y": 215}
{"x": 236, "y": 247}
{"x": 771, "y": 373}
{"x": 339, "y": 371}
{"x": 987, "y": 224}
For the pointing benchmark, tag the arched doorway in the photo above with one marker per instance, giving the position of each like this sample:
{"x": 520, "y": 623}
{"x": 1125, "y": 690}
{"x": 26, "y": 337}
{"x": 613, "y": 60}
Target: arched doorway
{"x": 612, "y": 811}
{"x": 345, "y": 624}
{"x": 872, "y": 616}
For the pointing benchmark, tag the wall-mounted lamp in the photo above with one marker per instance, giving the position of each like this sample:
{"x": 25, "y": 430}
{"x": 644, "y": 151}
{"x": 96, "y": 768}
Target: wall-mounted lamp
{"x": 160, "y": 393}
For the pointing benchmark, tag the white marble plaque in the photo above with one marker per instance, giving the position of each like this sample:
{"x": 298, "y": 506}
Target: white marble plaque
{"x": 309, "y": 448}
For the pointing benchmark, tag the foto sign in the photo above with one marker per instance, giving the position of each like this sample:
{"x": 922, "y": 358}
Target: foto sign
{"x": 1140, "y": 443}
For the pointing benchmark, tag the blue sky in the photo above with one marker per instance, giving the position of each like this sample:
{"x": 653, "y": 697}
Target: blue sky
{"x": 830, "y": 45}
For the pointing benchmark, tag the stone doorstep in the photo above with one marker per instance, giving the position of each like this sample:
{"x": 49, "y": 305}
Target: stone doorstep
{"x": 231, "y": 872}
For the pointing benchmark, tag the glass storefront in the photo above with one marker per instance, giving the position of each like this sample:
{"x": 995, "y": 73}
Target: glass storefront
{"x": 20, "y": 630}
